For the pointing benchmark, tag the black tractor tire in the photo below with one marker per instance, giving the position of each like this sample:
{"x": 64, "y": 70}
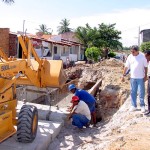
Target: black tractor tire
{"x": 27, "y": 124}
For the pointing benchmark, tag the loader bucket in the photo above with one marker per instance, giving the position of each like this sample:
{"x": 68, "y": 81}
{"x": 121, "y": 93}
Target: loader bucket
{"x": 52, "y": 74}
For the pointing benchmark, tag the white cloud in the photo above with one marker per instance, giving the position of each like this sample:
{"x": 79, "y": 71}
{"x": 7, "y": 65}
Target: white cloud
{"x": 127, "y": 21}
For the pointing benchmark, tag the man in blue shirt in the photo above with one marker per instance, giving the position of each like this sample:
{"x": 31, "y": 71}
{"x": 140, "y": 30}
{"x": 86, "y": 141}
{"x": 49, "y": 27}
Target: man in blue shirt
{"x": 86, "y": 97}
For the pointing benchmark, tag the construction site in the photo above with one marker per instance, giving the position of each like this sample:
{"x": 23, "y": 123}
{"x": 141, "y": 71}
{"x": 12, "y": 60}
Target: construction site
{"x": 34, "y": 101}
{"x": 74, "y": 75}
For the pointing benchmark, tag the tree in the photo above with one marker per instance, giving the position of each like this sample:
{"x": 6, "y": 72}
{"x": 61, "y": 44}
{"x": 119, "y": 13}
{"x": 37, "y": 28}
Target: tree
{"x": 93, "y": 53}
{"x": 102, "y": 37}
{"x": 8, "y": 1}
{"x": 145, "y": 46}
{"x": 64, "y": 26}
{"x": 86, "y": 35}
{"x": 44, "y": 29}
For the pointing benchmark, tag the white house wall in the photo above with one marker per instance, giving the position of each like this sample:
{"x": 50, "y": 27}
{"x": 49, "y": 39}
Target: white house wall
{"x": 45, "y": 44}
{"x": 67, "y": 51}
{"x": 74, "y": 56}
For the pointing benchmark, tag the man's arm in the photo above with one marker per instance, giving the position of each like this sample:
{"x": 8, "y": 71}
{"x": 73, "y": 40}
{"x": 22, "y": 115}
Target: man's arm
{"x": 145, "y": 78}
{"x": 127, "y": 65}
{"x": 124, "y": 73}
{"x": 72, "y": 113}
{"x": 145, "y": 68}
{"x": 71, "y": 108}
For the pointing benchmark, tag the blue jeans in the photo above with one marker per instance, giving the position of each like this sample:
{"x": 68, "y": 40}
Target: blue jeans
{"x": 79, "y": 120}
{"x": 137, "y": 85}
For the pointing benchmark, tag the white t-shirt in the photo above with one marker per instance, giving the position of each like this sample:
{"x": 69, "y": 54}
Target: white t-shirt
{"x": 83, "y": 109}
{"x": 137, "y": 65}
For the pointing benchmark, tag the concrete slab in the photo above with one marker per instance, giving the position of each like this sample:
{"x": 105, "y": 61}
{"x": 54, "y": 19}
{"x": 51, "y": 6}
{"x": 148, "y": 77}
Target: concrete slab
{"x": 56, "y": 114}
{"x": 46, "y": 133}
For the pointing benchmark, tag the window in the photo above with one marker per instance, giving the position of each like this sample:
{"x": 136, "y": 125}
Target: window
{"x": 64, "y": 50}
{"x": 71, "y": 52}
{"x": 55, "y": 49}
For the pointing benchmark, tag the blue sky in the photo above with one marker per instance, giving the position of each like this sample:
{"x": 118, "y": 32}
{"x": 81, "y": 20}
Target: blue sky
{"x": 127, "y": 14}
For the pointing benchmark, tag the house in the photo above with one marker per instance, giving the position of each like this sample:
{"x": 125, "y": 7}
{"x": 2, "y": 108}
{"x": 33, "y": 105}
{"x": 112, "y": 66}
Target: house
{"x": 8, "y": 42}
{"x": 58, "y": 46}
{"x": 13, "y": 44}
{"x": 4, "y": 40}
{"x": 145, "y": 35}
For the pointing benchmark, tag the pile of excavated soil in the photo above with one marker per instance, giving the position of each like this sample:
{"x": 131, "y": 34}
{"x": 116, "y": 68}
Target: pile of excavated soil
{"x": 74, "y": 72}
{"x": 112, "y": 62}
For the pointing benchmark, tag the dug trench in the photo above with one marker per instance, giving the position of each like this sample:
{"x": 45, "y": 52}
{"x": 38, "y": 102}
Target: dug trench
{"x": 110, "y": 96}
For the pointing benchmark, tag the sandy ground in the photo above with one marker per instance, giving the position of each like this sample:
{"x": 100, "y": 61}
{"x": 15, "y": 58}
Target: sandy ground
{"x": 119, "y": 129}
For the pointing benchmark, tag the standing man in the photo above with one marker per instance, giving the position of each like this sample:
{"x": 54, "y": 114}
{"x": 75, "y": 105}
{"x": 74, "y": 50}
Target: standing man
{"x": 87, "y": 98}
{"x": 81, "y": 114}
{"x": 137, "y": 64}
{"x": 147, "y": 55}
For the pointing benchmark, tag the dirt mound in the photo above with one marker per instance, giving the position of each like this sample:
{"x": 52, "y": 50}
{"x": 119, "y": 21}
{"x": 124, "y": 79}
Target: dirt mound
{"x": 74, "y": 72}
{"x": 89, "y": 77}
{"x": 112, "y": 62}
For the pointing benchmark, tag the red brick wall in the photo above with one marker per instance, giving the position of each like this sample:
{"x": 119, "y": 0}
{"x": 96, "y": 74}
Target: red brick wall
{"x": 4, "y": 40}
{"x": 12, "y": 45}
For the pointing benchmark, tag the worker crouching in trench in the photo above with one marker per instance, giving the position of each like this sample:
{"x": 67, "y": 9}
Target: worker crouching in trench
{"x": 80, "y": 114}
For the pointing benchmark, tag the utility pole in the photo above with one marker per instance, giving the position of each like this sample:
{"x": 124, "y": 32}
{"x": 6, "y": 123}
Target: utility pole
{"x": 23, "y": 26}
{"x": 139, "y": 37}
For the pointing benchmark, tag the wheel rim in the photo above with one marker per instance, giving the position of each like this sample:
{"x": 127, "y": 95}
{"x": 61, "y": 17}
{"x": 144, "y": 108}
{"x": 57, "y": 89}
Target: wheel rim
{"x": 34, "y": 124}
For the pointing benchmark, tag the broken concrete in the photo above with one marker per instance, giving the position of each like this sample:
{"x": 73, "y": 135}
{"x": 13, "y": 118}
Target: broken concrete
{"x": 45, "y": 112}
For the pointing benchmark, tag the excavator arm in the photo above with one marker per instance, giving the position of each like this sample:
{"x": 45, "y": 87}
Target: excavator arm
{"x": 37, "y": 72}
{"x": 26, "y": 71}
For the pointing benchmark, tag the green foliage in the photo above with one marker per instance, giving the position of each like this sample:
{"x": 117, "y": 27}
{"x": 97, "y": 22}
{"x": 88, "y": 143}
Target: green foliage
{"x": 102, "y": 37}
{"x": 111, "y": 54}
{"x": 44, "y": 29}
{"x": 145, "y": 46}
{"x": 64, "y": 26}
{"x": 93, "y": 53}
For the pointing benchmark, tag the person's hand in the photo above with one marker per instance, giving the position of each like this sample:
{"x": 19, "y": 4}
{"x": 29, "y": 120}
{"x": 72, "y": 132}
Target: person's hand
{"x": 69, "y": 117}
{"x": 69, "y": 109}
{"x": 122, "y": 79}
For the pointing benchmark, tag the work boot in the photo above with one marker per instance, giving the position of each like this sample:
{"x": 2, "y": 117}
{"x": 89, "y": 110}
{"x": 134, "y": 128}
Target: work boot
{"x": 147, "y": 113}
{"x": 143, "y": 109}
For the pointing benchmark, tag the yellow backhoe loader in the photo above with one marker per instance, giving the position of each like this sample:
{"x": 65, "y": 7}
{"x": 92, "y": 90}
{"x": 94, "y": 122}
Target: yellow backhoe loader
{"x": 25, "y": 71}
